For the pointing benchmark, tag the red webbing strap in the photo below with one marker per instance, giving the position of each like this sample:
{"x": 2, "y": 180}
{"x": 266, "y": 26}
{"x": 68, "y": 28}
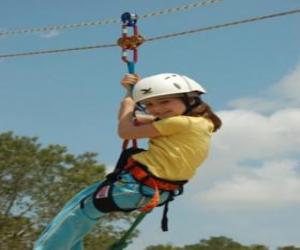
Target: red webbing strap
{"x": 126, "y": 143}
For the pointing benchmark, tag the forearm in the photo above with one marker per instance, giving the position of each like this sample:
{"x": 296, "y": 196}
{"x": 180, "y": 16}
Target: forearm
{"x": 126, "y": 106}
{"x": 126, "y": 113}
{"x": 126, "y": 127}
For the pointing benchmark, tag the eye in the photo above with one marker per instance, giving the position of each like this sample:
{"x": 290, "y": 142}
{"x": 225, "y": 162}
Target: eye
{"x": 164, "y": 101}
{"x": 148, "y": 105}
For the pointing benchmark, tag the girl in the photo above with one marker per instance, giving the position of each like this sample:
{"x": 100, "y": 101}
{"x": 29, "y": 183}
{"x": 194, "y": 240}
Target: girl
{"x": 179, "y": 125}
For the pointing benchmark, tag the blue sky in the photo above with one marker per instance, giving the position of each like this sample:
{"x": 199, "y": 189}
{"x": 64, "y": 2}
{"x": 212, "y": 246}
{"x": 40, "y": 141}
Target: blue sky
{"x": 249, "y": 187}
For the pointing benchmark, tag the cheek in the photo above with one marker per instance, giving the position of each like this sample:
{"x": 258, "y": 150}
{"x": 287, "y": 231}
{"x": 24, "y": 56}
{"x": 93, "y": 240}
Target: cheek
{"x": 151, "y": 109}
{"x": 179, "y": 106}
{"x": 148, "y": 110}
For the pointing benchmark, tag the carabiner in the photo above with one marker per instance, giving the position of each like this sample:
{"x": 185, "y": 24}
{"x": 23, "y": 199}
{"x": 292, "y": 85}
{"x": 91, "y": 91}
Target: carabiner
{"x": 130, "y": 42}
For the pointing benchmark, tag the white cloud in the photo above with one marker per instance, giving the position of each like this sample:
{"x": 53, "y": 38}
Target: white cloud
{"x": 284, "y": 94}
{"x": 253, "y": 136}
{"x": 270, "y": 142}
{"x": 255, "y": 103}
{"x": 289, "y": 87}
{"x": 50, "y": 34}
{"x": 255, "y": 156}
{"x": 273, "y": 184}
{"x": 3, "y": 30}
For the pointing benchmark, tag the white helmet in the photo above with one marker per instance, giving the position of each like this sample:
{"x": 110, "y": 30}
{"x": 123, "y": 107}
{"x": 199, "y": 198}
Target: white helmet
{"x": 165, "y": 84}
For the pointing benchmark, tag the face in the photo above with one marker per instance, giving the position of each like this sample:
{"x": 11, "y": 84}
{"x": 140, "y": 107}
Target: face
{"x": 164, "y": 107}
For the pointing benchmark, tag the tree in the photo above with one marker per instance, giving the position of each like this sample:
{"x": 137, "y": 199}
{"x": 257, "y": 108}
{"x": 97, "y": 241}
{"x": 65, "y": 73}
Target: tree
{"x": 216, "y": 243}
{"x": 258, "y": 247}
{"x": 288, "y": 248}
{"x": 163, "y": 247}
{"x": 36, "y": 181}
{"x": 213, "y": 243}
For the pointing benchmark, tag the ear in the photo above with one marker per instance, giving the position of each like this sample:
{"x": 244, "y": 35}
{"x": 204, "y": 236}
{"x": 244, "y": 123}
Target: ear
{"x": 192, "y": 101}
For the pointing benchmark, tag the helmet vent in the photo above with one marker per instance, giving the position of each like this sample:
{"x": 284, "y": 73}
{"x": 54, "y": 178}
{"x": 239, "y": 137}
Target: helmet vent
{"x": 168, "y": 77}
{"x": 177, "y": 85}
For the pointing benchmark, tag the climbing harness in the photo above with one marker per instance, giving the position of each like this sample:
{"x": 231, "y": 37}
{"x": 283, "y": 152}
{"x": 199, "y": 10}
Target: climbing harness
{"x": 142, "y": 175}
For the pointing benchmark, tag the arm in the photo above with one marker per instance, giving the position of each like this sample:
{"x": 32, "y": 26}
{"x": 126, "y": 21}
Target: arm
{"x": 144, "y": 118}
{"x": 126, "y": 127}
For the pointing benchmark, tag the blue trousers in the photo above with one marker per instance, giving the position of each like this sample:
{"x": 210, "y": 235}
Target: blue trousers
{"x": 72, "y": 223}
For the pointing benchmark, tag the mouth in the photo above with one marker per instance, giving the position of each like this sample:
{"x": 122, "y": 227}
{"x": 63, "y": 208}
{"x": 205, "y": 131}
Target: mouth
{"x": 163, "y": 115}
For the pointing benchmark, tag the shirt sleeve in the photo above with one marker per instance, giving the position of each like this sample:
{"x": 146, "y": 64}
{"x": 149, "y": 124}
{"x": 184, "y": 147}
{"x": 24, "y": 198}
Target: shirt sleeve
{"x": 172, "y": 125}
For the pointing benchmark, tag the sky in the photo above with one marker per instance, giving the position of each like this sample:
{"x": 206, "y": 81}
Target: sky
{"x": 248, "y": 188}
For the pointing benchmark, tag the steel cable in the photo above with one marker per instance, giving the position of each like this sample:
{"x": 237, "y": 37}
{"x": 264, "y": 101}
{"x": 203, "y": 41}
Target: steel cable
{"x": 106, "y": 21}
{"x": 171, "y": 35}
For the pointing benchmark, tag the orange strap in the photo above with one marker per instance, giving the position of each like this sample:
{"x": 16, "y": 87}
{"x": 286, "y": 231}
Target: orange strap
{"x": 154, "y": 200}
{"x": 143, "y": 176}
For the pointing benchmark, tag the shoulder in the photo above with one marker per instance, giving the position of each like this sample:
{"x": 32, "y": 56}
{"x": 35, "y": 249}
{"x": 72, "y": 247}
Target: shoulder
{"x": 202, "y": 123}
{"x": 172, "y": 125}
{"x": 179, "y": 120}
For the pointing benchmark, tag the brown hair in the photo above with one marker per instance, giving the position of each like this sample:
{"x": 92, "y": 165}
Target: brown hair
{"x": 204, "y": 110}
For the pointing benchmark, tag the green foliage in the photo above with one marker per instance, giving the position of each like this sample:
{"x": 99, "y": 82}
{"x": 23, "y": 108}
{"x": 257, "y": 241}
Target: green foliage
{"x": 217, "y": 243}
{"x": 258, "y": 247}
{"x": 163, "y": 247}
{"x": 288, "y": 248}
{"x": 35, "y": 183}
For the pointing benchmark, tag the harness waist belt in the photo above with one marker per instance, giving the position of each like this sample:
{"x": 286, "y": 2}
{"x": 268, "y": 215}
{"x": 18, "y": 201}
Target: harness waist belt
{"x": 144, "y": 177}
{"x": 147, "y": 179}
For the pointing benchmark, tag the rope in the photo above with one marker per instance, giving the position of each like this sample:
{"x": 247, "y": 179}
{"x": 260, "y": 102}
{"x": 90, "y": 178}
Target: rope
{"x": 53, "y": 51}
{"x": 180, "y": 8}
{"x": 129, "y": 21}
{"x": 123, "y": 243}
{"x": 171, "y": 35}
{"x": 218, "y": 26}
{"x": 185, "y": 7}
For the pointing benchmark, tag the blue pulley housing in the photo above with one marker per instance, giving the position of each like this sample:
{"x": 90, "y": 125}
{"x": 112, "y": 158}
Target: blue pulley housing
{"x": 129, "y": 19}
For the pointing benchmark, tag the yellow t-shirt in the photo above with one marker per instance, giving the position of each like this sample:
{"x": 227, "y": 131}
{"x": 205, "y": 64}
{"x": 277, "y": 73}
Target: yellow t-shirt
{"x": 181, "y": 148}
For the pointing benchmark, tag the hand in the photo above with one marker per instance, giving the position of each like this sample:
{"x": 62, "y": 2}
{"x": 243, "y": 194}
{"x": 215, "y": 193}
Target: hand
{"x": 144, "y": 118}
{"x": 130, "y": 80}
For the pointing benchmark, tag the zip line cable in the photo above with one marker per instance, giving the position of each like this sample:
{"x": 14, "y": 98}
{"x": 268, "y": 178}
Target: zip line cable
{"x": 107, "y": 21}
{"x": 171, "y": 35}
{"x": 224, "y": 25}
{"x": 53, "y": 51}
